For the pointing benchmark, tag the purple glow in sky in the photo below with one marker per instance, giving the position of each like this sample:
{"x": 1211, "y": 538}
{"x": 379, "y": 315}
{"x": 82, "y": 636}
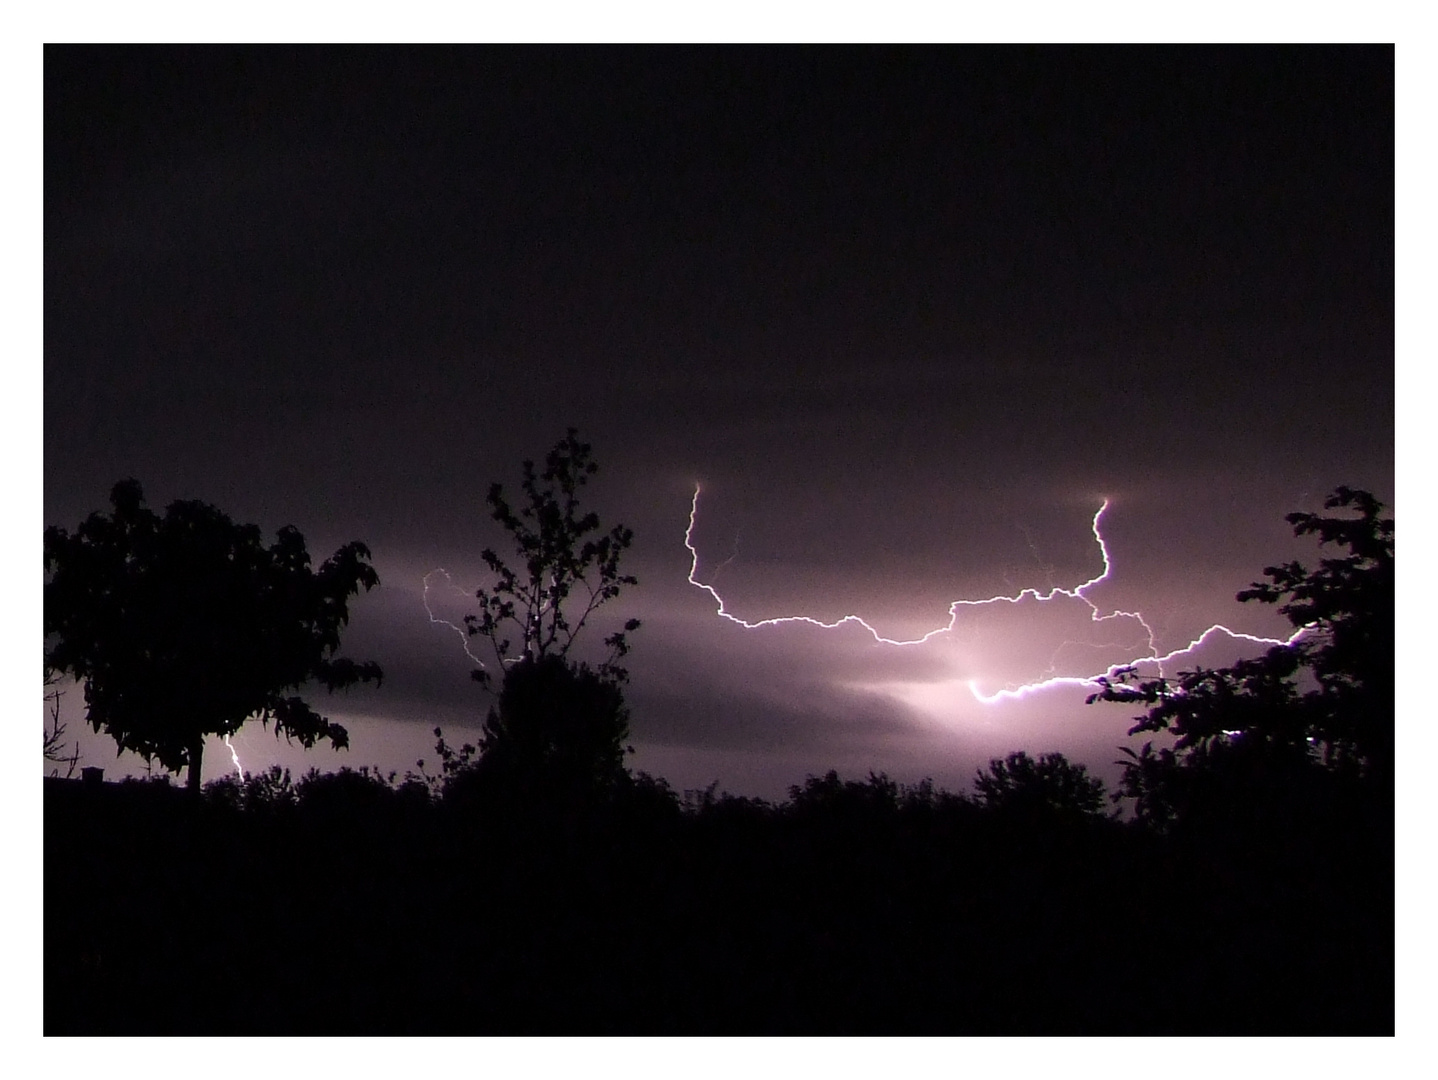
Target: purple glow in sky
{"x": 1047, "y": 679}
{"x": 1017, "y": 356}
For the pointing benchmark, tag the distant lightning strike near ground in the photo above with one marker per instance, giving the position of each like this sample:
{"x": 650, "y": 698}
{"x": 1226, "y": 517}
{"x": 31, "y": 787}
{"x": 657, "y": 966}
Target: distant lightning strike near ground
{"x": 1153, "y": 656}
{"x": 235, "y": 758}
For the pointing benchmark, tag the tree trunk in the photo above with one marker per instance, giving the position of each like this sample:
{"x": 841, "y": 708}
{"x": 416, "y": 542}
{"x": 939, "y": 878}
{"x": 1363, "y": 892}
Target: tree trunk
{"x": 197, "y": 753}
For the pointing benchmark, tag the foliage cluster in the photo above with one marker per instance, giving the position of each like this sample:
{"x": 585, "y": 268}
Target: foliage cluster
{"x": 187, "y": 625}
{"x": 1317, "y": 712}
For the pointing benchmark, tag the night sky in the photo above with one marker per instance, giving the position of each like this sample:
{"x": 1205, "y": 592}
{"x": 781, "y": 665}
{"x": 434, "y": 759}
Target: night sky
{"x": 909, "y": 316}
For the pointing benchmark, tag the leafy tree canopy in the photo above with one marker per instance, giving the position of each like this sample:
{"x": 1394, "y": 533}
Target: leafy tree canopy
{"x": 1020, "y": 785}
{"x": 1325, "y": 699}
{"x": 557, "y": 724}
{"x": 187, "y": 625}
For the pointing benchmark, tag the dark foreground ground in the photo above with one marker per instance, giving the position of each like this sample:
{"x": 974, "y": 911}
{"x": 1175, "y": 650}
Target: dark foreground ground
{"x": 854, "y": 909}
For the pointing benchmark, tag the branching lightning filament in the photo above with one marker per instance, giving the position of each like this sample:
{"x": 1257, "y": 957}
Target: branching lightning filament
{"x": 462, "y": 631}
{"x": 1078, "y": 592}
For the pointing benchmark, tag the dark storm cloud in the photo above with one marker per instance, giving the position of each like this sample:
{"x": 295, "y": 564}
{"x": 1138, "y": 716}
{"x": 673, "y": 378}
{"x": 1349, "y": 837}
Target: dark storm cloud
{"x": 907, "y": 315}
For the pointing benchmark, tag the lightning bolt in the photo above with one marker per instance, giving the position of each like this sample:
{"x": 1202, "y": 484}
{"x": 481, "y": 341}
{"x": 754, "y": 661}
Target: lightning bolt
{"x": 1012, "y": 693}
{"x": 463, "y": 632}
{"x": 235, "y": 758}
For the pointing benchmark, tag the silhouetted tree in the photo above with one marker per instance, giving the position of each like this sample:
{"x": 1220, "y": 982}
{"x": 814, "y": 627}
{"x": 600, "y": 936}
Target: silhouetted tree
{"x": 830, "y": 796}
{"x": 187, "y": 625}
{"x": 1346, "y": 605}
{"x": 557, "y": 725}
{"x": 1052, "y": 785}
{"x": 1326, "y": 699}
{"x": 557, "y": 722}
{"x": 566, "y": 566}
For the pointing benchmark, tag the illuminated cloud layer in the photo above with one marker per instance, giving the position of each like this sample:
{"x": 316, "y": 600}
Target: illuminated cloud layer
{"x": 907, "y": 312}
{"x": 1045, "y": 680}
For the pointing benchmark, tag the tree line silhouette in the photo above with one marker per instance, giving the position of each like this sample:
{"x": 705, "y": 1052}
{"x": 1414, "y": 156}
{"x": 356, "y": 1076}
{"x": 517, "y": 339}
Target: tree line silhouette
{"x": 1240, "y": 880}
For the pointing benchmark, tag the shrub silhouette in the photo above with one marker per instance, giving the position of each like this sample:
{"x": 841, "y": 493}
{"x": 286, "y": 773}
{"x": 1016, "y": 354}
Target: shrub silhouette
{"x": 556, "y": 724}
{"x": 1052, "y": 786}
